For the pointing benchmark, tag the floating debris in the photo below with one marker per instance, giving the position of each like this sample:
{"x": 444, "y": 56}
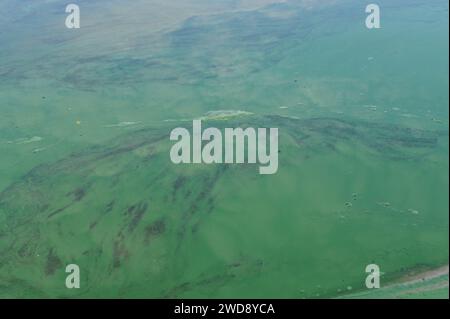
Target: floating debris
{"x": 284, "y": 107}
{"x": 177, "y": 120}
{"x": 384, "y": 204}
{"x": 25, "y": 140}
{"x": 32, "y": 140}
{"x": 290, "y": 117}
{"x": 371, "y": 107}
{"x": 37, "y": 150}
{"x": 413, "y": 211}
{"x": 78, "y": 122}
{"x": 223, "y": 114}
{"x": 348, "y": 204}
{"x": 349, "y": 288}
{"x": 408, "y": 115}
{"x": 122, "y": 124}
{"x": 436, "y": 120}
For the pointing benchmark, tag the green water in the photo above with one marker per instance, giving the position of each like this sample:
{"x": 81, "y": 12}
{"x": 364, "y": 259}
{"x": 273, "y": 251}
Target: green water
{"x": 362, "y": 116}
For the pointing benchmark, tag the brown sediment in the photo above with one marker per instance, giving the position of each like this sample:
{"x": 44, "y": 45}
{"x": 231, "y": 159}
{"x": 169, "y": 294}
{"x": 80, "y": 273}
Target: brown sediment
{"x": 120, "y": 252}
{"x": 155, "y": 229}
{"x": 59, "y": 210}
{"x": 93, "y": 224}
{"x": 84, "y": 160}
{"x": 209, "y": 208}
{"x": 77, "y": 194}
{"x": 136, "y": 212}
{"x": 387, "y": 139}
{"x": 109, "y": 206}
{"x": 208, "y": 184}
{"x": 179, "y": 183}
{"x": 120, "y": 150}
{"x": 53, "y": 263}
{"x": 311, "y": 135}
{"x": 25, "y": 250}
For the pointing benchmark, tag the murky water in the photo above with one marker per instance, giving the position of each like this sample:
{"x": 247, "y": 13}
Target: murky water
{"x": 86, "y": 176}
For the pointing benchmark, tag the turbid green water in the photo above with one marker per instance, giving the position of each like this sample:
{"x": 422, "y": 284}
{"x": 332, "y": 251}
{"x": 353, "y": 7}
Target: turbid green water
{"x": 86, "y": 176}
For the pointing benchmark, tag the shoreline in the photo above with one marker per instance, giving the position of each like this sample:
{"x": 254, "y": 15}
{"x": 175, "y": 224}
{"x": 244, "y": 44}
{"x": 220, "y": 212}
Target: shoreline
{"x": 412, "y": 285}
{"x": 420, "y": 276}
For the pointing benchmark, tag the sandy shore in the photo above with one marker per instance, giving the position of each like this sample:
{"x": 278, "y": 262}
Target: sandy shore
{"x": 423, "y": 276}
